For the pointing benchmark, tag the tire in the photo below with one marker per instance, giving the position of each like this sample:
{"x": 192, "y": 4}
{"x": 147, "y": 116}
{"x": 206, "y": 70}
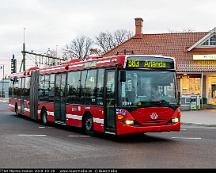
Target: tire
{"x": 44, "y": 117}
{"x": 88, "y": 125}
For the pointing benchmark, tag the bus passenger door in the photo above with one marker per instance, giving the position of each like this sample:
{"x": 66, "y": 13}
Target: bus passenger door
{"x": 110, "y": 101}
{"x": 60, "y": 100}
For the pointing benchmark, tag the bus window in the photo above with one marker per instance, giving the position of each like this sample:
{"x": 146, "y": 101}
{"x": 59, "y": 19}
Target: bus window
{"x": 11, "y": 88}
{"x": 16, "y": 87}
{"x": 46, "y": 87}
{"x": 51, "y": 87}
{"x": 22, "y": 87}
{"x": 41, "y": 87}
{"x": 82, "y": 87}
{"x": 19, "y": 88}
{"x": 27, "y": 87}
{"x": 100, "y": 87}
{"x": 90, "y": 87}
{"x": 73, "y": 87}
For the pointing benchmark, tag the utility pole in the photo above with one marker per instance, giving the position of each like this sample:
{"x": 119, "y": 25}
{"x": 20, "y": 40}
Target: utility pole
{"x": 47, "y": 56}
{"x": 24, "y": 52}
{"x": 2, "y": 67}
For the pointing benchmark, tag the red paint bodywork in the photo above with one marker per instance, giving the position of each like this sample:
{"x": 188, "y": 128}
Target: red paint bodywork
{"x": 144, "y": 123}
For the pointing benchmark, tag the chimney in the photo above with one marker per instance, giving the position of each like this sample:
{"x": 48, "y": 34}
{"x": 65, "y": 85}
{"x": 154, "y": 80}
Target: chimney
{"x": 138, "y": 26}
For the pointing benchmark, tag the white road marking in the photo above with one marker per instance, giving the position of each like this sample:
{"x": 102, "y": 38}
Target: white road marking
{"x": 44, "y": 127}
{"x": 184, "y": 138}
{"x": 78, "y": 136}
{"x": 183, "y": 129}
{"x": 31, "y": 135}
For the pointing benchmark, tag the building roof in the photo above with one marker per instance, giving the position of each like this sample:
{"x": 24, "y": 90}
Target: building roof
{"x": 170, "y": 44}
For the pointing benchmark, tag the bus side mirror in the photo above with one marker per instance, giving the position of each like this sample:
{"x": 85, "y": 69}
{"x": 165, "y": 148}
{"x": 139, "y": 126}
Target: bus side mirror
{"x": 122, "y": 76}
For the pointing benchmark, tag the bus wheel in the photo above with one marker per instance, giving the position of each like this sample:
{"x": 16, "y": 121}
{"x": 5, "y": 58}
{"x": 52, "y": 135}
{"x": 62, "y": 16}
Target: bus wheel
{"x": 44, "y": 117}
{"x": 88, "y": 124}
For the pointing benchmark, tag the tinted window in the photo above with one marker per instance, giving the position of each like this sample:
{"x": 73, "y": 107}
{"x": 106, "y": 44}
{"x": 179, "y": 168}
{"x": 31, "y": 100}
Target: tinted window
{"x": 41, "y": 87}
{"x": 73, "y": 87}
{"x": 16, "y": 87}
{"x": 110, "y": 88}
{"x": 22, "y": 90}
{"x": 100, "y": 87}
{"x": 90, "y": 87}
{"x": 58, "y": 86}
{"x": 27, "y": 87}
{"x": 51, "y": 87}
{"x": 11, "y": 88}
{"x": 82, "y": 87}
{"x": 44, "y": 88}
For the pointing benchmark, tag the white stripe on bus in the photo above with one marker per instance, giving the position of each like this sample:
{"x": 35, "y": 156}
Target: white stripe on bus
{"x": 77, "y": 117}
{"x": 11, "y": 105}
{"x": 78, "y": 65}
{"x": 98, "y": 120}
{"x": 27, "y": 109}
{"x": 58, "y": 68}
{"x": 50, "y": 113}
{"x": 104, "y": 61}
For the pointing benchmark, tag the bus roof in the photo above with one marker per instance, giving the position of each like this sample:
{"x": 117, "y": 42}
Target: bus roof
{"x": 90, "y": 62}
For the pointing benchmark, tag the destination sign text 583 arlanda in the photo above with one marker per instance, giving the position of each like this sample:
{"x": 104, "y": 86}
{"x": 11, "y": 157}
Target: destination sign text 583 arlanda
{"x": 150, "y": 62}
{"x": 147, "y": 64}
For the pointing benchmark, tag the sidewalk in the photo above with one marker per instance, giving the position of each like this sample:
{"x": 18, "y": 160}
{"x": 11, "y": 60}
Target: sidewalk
{"x": 205, "y": 117}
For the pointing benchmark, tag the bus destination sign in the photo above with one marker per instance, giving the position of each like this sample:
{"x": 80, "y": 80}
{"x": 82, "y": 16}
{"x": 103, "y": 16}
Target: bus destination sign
{"x": 150, "y": 62}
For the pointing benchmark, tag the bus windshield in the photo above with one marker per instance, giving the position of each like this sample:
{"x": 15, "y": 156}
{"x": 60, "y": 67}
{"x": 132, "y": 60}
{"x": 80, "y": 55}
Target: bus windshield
{"x": 147, "y": 88}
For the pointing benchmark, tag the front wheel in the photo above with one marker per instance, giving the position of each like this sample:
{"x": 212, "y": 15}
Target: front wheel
{"x": 88, "y": 125}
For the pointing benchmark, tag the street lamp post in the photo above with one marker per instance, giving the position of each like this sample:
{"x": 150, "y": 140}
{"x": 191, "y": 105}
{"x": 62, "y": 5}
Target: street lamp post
{"x": 2, "y": 67}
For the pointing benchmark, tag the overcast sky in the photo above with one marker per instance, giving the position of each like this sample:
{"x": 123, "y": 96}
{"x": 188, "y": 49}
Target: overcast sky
{"x": 55, "y": 22}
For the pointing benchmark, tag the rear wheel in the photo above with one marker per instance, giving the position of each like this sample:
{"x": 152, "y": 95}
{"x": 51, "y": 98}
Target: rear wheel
{"x": 88, "y": 124}
{"x": 44, "y": 117}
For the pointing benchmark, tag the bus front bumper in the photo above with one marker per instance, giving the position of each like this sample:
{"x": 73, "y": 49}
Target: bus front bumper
{"x": 123, "y": 129}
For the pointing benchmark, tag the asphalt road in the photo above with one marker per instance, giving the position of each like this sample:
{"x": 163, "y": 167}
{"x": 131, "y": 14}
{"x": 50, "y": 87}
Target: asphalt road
{"x": 28, "y": 144}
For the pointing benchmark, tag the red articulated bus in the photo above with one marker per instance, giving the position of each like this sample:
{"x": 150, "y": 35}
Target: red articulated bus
{"x": 121, "y": 94}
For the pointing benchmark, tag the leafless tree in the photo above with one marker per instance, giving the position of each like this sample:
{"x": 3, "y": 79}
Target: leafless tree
{"x": 122, "y": 35}
{"x": 107, "y": 41}
{"x": 78, "y": 48}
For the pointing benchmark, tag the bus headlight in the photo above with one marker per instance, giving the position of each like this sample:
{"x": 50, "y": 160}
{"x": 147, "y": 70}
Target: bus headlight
{"x": 175, "y": 120}
{"x": 129, "y": 122}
